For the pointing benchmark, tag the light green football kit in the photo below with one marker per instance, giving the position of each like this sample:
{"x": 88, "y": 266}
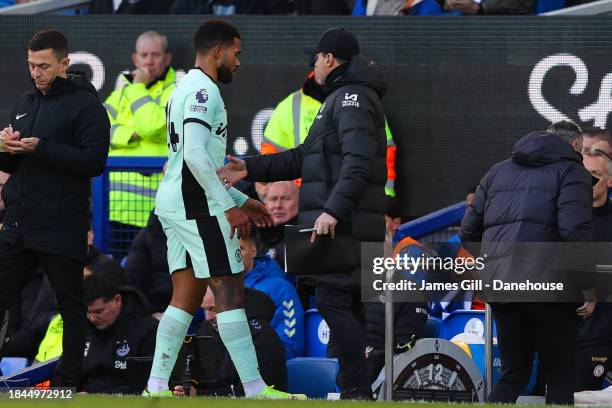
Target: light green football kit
{"x": 191, "y": 200}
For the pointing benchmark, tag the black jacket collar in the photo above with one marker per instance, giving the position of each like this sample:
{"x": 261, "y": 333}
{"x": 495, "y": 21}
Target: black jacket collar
{"x": 161, "y": 78}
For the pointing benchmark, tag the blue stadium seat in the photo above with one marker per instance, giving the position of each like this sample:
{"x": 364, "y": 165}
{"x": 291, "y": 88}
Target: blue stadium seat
{"x": 432, "y": 328}
{"x": 542, "y": 6}
{"x": 10, "y": 365}
{"x": 472, "y": 323}
{"x": 32, "y": 375}
{"x": 464, "y": 321}
{"x": 316, "y": 334}
{"x": 314, "y": 377}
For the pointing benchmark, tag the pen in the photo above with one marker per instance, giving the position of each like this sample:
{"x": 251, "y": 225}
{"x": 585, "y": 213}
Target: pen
{"x": 307, "y": 230}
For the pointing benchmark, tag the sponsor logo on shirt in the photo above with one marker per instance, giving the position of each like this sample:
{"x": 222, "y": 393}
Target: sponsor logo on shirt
{"x": 197, "y": 108}
{"x": 202, "y": 96}
{"x": 221, "y": 129}
{"x": 350, "y": 100}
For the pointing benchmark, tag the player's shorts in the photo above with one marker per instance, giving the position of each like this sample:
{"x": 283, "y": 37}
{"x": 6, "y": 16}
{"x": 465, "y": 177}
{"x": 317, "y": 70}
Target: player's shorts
{"x": 203, "y": 244}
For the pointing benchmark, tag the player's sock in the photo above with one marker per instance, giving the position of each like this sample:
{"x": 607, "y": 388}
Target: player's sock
{"x": 253, "y": 387}
{"x": 236, "y": 336}
{"x": 170, "y": 334}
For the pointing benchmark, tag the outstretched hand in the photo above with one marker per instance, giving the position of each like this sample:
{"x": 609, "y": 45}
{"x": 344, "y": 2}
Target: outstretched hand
{"x": 232, "y": 172}
{"x": 258, "y": 213}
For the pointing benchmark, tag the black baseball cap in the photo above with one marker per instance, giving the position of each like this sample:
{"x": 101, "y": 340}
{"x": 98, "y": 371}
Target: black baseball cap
{"x": 336, "y": 41}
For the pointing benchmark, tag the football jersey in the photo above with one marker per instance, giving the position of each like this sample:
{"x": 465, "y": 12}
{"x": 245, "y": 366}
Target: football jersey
{"x": 196, "y": 130}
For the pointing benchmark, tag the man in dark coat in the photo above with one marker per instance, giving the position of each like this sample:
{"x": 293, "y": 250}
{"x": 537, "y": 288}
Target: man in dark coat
{"x": 120, "y": 327}
{"x": 58, "y": 141}
{"x": 343, "y": 170}
{"x": 541, "y": 195}
{"x": 147, "y": 265}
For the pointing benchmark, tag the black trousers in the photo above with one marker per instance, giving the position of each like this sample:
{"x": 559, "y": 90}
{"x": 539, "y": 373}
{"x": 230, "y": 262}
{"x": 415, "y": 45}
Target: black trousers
{"x": 592, "y": 364}
{"x": 551, "y": 330}
{"x": 343, "y": 313}
{"x": 17, "y": 267}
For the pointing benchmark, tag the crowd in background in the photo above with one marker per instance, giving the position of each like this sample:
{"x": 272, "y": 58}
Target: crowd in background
{"x": 313, "y": 7}
{"x": 126, "y": 301}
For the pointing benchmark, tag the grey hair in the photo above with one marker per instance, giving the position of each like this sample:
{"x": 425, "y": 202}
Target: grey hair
{"x": 599, "y": 150}
{"x": 155, "y": 35}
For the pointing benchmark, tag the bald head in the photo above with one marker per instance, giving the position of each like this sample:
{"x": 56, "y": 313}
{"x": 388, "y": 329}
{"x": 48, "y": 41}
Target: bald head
{"x": 208, "y": 304}
{"x": 282, "y": 201}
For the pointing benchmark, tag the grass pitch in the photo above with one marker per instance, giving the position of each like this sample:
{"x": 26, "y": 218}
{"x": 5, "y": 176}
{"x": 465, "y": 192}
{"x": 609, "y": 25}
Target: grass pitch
{"x": 98, "y": 401}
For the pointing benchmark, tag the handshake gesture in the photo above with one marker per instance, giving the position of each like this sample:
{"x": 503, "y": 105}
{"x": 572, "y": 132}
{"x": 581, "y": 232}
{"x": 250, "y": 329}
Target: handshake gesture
{"x": 252, "y": 211}
{"x": 236, "y": 170}
{"x": 240, "y": 218}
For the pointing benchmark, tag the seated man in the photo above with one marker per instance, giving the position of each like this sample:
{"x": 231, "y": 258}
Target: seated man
{"x": 119, "y": 328}
{"x": 224, "y": 381}
{"x": 264, "y": 274}
{"x": 281, "y": 201}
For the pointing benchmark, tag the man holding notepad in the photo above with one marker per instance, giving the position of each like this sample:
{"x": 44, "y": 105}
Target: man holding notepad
{"x": 342, "y": 163}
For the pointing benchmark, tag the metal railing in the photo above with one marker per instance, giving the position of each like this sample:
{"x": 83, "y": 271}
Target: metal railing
{"x": 432, "y": 223}
{"x": 101, "y": 189}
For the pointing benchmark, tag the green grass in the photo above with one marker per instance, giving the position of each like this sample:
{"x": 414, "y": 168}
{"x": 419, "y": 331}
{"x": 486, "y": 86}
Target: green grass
{"x": 96, "y": 401}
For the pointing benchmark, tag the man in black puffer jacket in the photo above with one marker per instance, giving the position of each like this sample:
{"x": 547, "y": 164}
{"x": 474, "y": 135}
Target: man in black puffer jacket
{"x": 57, "y": 142}
{"x": 541, "y": 195}
{"x": 342, "y": 163}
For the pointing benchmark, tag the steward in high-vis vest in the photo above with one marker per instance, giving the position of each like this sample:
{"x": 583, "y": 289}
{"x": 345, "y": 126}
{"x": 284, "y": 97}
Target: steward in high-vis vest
{"x": 51, "y": 345}
{"x": 138, "y": 128}
{"x": 301, "y": 108}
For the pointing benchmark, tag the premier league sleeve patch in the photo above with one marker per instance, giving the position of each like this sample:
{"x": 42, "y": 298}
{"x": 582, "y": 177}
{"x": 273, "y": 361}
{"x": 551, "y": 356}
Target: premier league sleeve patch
{"x": 202, "y": 96}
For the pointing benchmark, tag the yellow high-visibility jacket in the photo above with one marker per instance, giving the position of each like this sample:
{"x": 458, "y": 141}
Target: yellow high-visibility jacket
{"x": 291, "y": 121}
{"x": 137, "y": 109}
{"x": 51, "y": 345}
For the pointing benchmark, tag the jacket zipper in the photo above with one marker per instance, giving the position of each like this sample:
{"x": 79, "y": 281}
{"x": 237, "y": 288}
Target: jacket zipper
{"x": 24, "y": 177}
